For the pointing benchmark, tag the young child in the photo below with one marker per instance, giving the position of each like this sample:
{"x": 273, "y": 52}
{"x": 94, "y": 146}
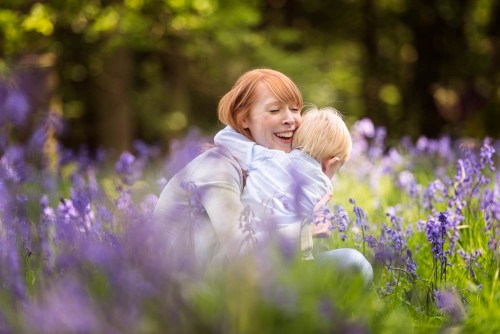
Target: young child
{"x": 283, "y": 190}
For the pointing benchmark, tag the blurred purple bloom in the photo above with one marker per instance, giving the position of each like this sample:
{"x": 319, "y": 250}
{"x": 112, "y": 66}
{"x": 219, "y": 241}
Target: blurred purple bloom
{"x": 364, "y": 127}
{"x": 70, "y": 224}
{"x": 360, "y": 215}
{"x": 16, "y": 107}
{"x": 148, "y": 205}
{"x": 81, "y": 201}
{"x": 449, "y": 302}
{"x": 182, "y": 151}
{"x": 433, "y": 194}
{"x": 486, "y": 155}
{"x": 125, "y": 163}
{"x": 471, "y": 260}
{"x": 10, "y": 265}
{"x": 411, "y": 266}
{"x": 436, "y": 232}
{"x": 407, "y": 182}
{"x": 146, "y": 151}
{"x": 490, "y": 206}
{"x": 341, "y": 222}
{"x": 397, "y": 240}
{"x": 65, "y": 307}
{"x": 13, "y": 167}
{"x": 127, "y": 169}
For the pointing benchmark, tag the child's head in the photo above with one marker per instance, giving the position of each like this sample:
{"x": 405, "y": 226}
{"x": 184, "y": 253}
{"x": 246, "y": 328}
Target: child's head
{"x": 323, "y": 135}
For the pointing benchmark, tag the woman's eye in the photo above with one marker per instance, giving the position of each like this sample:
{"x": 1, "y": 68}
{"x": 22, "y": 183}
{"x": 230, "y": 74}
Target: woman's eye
{"x": 274, "y": 110}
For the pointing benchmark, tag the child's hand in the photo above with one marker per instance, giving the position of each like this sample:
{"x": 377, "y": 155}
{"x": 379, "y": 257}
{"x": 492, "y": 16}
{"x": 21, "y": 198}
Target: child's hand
{"x": 321, "y": 227}
{"x": 321, "y": 230}
{"x": 323, "y": 202}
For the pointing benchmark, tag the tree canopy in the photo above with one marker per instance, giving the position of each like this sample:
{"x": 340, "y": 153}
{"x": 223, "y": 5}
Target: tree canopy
{"x": 123, "y": 69}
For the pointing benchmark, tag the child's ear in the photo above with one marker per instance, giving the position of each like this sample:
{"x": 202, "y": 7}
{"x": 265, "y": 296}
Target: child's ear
{"x": 328, "y": 163}
{"x": 328, "y": 166}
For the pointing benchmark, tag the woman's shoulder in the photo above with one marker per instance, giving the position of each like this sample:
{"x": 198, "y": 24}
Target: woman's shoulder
{"x": 213, "y": 164}
{"x": 216, "y": 155}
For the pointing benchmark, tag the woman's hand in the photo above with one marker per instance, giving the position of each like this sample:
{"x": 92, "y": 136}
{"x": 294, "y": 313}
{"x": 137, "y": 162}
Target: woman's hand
{"x": 321, "y": 225}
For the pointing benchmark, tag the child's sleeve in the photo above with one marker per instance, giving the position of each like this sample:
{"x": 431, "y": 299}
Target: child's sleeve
{"x": 242, "y": 148}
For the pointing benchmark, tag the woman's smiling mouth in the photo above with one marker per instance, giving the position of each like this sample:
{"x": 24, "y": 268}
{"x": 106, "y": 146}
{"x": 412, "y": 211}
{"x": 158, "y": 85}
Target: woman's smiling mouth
{"x": 285, "y": 136}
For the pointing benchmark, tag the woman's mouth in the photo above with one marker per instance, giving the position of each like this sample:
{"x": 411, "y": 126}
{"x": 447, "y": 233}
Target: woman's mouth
{"x": 285, "y": 136}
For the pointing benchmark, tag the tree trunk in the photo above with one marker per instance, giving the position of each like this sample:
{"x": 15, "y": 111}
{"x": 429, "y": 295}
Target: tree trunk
{"x": 113, "y": 97}
{"x": 371, "y": 82}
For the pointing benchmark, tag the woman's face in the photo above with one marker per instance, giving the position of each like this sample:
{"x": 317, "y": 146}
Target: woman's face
{"x": 271, "y": 122}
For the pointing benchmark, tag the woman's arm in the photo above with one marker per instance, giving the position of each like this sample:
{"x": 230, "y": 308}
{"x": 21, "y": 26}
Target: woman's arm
{"x": 220, "y": 183}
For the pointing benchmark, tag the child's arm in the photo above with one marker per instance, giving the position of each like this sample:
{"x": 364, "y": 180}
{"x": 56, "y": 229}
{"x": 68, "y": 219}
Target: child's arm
{"x": 242, "y": 148}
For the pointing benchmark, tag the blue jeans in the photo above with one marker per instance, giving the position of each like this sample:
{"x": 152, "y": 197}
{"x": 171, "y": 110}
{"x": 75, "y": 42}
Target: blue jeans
{"x": 347, "y": 260}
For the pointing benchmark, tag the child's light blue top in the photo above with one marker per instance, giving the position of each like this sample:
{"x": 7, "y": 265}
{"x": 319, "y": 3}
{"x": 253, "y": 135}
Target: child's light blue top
{"x": 281, "y": 188}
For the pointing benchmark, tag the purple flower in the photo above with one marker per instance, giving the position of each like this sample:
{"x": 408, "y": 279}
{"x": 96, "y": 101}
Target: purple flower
{"x": 436, "y": 232}
{"x": 396, "y": 239}
{"x": 65, "y": 307}
{"x": 406, "y": 181}
{"x": 146, "y": 151}
{"x": 341, "y": 222}
{"x": 10, "y": 265}
{"x": 13, "y": 167}
{"x": 490, "y": 206}
{"x": 433, "y": 194}
{"x": 16, "y": 107}
{"x": 486, "y": 155}
{"x": 449, "y": 302}
{"x": 411, "y": 266}
{"x": 128, "y": 168}
{"x": 360, "y": 215}
{"x": 364, "y": 127}
{"x": 183, "y": 151}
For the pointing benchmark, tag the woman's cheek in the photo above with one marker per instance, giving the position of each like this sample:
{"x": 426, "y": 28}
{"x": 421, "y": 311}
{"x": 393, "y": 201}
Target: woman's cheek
{"x": 298, "y": 120}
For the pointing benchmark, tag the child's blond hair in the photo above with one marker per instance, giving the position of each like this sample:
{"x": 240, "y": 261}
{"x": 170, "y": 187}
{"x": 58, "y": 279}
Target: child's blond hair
{"x": 323, "y": 135}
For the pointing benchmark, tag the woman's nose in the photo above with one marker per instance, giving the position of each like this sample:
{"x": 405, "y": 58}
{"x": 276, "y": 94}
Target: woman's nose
{"x": 288, "y": 118}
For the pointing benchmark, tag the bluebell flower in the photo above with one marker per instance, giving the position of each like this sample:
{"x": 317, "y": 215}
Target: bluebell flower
{"x": 65, "y": 307}
{"x": 449, "y": 302}
{"x": 490, "y": 206}
{"x": 486, "y": 155}
{"x": 182, "y": 151}
{"x": 407, "y": 182}
{"x": 433, "y": 194}
{"x": 436, "y": 232}
{"x": 411, "y": 265}
{"x": 364, "y": 127}
{"x": 341, "y": 222}
{"x": 360, "y": 215}
{"x": 146, "y": 151}
{"x": 16, "y": 107}
{"x": 127, "y": 169}
{"x": 13, "y": 166}
{"x": 10, "y": 265}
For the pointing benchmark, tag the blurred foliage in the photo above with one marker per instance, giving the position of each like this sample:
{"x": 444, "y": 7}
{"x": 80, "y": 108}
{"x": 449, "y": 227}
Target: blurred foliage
{"x": 416, "y": 67}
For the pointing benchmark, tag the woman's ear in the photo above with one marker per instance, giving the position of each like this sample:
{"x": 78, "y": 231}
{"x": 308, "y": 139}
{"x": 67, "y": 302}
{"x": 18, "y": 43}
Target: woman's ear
{"x": 328, "y": 166}
{"x": 245, "y": 123}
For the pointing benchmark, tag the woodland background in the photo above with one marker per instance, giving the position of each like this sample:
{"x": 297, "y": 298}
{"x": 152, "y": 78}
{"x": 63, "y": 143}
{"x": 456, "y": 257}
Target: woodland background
{"x": 120, "y": 70}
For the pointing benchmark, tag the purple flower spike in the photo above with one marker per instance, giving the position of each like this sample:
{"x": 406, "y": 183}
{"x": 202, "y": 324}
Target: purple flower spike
{"x": 449, "y": 302}
{"x": 486, "y": 155}
{"x": 126, "y": 169}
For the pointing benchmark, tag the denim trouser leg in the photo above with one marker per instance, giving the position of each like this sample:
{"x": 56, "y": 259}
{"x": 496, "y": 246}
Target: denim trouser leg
{"x": 348, "y": 260}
